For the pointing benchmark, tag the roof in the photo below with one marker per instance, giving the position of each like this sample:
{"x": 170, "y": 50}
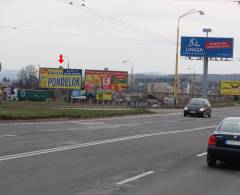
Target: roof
{"x": 232, "y": 119}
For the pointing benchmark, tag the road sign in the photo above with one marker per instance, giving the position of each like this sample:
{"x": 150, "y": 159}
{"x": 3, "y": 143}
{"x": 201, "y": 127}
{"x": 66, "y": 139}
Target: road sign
{"x": 207, "y": 47}
{"x": 79, "y": 94}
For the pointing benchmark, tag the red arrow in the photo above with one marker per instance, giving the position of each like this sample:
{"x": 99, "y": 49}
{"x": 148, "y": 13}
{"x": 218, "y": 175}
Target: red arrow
{"x": 61, "y": 59}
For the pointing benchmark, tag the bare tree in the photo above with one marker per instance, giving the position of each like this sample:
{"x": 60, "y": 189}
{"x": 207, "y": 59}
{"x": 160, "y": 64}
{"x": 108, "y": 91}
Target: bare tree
{"x": 27, "y": 78}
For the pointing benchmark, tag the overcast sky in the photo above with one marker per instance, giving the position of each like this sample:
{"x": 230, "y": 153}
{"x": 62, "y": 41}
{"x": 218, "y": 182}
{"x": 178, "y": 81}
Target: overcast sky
{"x": 93, "y": 43}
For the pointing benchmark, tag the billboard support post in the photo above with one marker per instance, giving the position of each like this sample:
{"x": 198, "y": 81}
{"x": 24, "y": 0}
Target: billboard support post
{"x": 207, "y": 47}
{"x": 205, "y": 70}
{"x": 205, "y": 78}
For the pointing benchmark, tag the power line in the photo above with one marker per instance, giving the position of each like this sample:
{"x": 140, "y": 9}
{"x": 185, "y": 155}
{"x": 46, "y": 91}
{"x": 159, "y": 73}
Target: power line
{"x": 217, "y": 1}
{"x": 76, "y": 34}
{"x": 117, "y": 21}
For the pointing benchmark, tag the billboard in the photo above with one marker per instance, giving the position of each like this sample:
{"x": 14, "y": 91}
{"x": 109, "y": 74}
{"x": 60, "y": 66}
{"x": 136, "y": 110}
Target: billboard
{"x": 230, "y": 88}
{"x": 104, "y": 96}
{"x": 58, "y": 78}
{"x": 79, "y": 94}
{"x": 106, "y": 80}
{"x": 207, "y": 47}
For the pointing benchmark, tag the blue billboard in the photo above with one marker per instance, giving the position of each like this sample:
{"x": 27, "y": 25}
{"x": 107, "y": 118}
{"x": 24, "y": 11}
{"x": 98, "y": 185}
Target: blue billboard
{"x": 207, "y": 47}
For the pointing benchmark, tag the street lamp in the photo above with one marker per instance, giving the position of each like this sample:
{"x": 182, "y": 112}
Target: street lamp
{"x": 194, "y": 81}
{"x": 67, "y": 61}
{"x": 127, "y": 61}
{"x": 176, "y": 78}
{"x": 33, "y": 74}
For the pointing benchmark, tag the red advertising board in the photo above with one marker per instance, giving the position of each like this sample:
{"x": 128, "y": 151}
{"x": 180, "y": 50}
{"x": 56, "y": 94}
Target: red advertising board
{"x": 106, "y": 80}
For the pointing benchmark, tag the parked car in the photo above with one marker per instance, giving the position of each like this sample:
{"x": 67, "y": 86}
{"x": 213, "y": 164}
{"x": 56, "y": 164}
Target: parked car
{"x": 224, "y": 143}
{"x": 12, "y": 95}
{"x": 157, "y": 105}
{"x": 198, "y": 107}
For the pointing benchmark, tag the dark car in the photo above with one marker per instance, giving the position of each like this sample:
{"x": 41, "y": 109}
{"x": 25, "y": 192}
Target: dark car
{"x": 198, "y": 107}
{"x": 224, "y": 143}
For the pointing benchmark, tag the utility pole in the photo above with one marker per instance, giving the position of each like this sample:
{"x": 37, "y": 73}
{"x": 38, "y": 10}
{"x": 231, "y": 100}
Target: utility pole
{"x": 176, "y": 76}
{"x": 205, "y": 70}
{"x": 193, "y": 81}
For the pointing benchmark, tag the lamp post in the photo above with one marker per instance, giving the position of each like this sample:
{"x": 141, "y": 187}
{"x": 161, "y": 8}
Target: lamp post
{"x": 194, "y": 81}
{"x": 68, "y": 64}
{"x": 176, "y": 78}
{"x": 127, "y": 61}
{"x": 33, "y": 74}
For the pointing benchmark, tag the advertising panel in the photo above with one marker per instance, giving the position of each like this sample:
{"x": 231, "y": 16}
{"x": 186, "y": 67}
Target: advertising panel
{"x": 58, "y": 78}
{"x": 207, "y": 47}
{"x": 79, "y": 94}
{"x": 33, "y": 95}
{"x": 230, "y": 87}
{"x": 106, "y": 80}
{"x": 104, "y": 96}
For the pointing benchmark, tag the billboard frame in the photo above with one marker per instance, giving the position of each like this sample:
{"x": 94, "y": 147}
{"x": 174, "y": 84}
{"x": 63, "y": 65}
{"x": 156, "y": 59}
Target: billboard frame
{"x": 68, "y": 72}
{"x": 211, "y": 47}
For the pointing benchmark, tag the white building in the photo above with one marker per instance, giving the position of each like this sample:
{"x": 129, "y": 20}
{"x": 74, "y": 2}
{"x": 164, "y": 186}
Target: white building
{"x": 159, "y": 88}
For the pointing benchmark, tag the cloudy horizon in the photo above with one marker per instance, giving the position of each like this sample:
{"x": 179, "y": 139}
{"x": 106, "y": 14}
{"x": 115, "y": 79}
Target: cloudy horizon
{"x": 46, "y": 28}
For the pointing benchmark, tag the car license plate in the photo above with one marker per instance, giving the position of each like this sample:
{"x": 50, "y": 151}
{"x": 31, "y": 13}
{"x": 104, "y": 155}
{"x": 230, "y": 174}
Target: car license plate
{"x": 232, "y": 142}
{"x": 193, "y": 112}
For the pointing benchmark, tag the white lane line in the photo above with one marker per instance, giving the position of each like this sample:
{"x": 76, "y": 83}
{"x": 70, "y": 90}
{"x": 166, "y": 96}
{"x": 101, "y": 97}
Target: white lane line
{"x": 202, "y": 154}
{"x": 171, "y": 121}
{"x": 7, "y": 136}
{"x": 135, "y": 178}
{"x": 33, "y": 141}
{"x": 84, "y": 121}
{"x": 98, "y": 142}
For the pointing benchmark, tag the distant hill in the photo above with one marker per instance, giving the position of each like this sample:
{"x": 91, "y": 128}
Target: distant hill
{"x": 211, "y": 77}
{"x": 11, "y": 74}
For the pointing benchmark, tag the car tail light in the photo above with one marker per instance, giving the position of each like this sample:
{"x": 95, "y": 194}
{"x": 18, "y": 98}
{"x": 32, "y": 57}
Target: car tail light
{"x": 212, "y": 140}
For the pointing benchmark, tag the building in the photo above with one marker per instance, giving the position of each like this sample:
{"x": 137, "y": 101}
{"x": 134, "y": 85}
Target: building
{"x": 159, "y": 88}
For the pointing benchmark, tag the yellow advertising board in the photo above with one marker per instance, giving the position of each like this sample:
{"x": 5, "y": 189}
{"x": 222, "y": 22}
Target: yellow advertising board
{"x": 59, "y": 78}
{"x": 229, "y": 87}
{"x": 104, "y": 96}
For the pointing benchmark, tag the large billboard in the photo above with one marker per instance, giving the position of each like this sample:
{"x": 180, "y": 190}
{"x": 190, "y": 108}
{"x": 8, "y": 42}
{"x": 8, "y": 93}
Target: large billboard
{"x": 106, "y": 80}
{"x": 207, "y": 47}
{"x": 230, "y": 87}
{"x": 59, "y": 78}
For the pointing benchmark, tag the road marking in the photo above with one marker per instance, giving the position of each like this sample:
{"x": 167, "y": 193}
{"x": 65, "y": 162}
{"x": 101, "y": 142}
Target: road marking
{"x": 135, "y": 178}
{"x": 171, "y": 121}
{"x": 7, "y": 136}
{"x": 202, "y": 154}
{"x": 84, "y": 121}
{"x": 98, "y": 142}
{"x": 33, "y": 141}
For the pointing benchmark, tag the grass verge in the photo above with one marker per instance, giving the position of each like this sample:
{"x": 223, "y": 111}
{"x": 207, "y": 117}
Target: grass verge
{"x": 44, "y": 111}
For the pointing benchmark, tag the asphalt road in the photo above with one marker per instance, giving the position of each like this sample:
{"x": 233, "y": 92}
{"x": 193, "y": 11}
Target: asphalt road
{"x": 137, "y": 155}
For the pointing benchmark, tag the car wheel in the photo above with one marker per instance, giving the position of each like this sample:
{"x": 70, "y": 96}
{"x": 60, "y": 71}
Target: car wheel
{"x": 210, "y": 161}
{"x": 209, "y": 115}
{"x": 204, "y": 115}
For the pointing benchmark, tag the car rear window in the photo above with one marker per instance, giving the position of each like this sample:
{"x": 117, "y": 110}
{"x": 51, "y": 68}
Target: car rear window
{"x": 233, "y": 127}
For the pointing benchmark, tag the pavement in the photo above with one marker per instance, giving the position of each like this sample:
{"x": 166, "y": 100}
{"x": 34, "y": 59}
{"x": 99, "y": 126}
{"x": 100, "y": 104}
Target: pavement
{"x": 156, "y": 154}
